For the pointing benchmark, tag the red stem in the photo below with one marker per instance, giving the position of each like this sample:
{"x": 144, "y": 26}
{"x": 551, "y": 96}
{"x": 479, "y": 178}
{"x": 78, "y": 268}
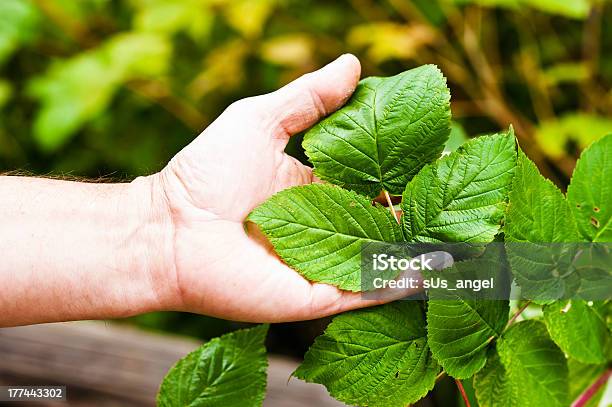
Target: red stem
{"x": 463, "y": 394}
{"x": 519, "y": 312}
{"x": 584, "y": 398}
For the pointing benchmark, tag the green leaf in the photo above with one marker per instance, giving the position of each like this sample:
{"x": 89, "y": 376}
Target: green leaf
{"x": 511, "y": 4}
{"x": 537, "y": 212}
{"x": 556, "y": 137}
{"x": 579, "y": 329}
{"x": 389, "y": 129}
{"x": 227, "y": 371}
{"x": 568, "y": 8}
{"x": 319, "y": 231}
{"x": 462, "y": 324}
{"x": 78, "y": 89}
{"x": 249, "y": 17}
{"x": 196, "y": 17}
{"x": 589, "y": 194}
{"x": 459, "y": 332}
{"x": 530, "y": 371}
{"x": 461, "y": 197}
{"x": 578, "y": 9}
{"x": 492, "y": 386}
{"x": 138, "y": 55}
{"x": 18, "y": 26}
{"x": 387, "y": 41}
{"x": 534, "y": 364}
{"x": 561, "y": 73}
{"x": 373, "y": 357}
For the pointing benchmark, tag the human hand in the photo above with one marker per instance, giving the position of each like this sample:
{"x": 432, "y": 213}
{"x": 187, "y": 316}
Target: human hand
{"x": 212, "y": 264}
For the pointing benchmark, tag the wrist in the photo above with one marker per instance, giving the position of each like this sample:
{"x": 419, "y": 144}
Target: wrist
{"x": 151, "y": 244}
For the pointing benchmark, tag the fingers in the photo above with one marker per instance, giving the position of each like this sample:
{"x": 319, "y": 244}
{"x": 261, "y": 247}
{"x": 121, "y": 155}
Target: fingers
{"x": 283, "y": 295}
{"x": 329, "y": 300}
{"x": 303, "y": 102}
{"x": 292, "y": 172}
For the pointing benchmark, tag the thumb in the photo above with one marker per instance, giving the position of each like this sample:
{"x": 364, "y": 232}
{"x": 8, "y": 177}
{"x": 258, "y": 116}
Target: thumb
{"x": 303, "y": 102}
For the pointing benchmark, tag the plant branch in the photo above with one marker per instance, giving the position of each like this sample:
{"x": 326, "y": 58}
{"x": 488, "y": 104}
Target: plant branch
{"x": 517, "y": 313}
{"x": 73, "y": 29}
{"x": 390, "y": 204}
{"x": 588, "y": 394}
{"x": 463, "y": 393}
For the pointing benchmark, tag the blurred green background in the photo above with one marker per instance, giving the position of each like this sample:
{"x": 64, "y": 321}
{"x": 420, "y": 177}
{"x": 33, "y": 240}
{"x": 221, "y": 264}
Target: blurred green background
{"x": 101, "y": 88}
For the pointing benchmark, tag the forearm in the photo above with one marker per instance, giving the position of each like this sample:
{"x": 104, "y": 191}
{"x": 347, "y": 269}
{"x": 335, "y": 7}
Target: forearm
{"x": 73, "y": 250}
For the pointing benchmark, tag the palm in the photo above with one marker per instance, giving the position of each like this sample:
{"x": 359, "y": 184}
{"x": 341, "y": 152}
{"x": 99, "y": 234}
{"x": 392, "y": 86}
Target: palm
{"x": 233, "y": 166}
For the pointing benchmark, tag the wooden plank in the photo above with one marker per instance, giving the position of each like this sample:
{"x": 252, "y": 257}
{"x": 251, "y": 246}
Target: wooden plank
{"x": 107, "y": 364}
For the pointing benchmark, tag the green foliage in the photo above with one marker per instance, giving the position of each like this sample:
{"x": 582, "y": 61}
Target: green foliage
{"x": 171, "y": 17}
{"x": 387, "y": 131}
{"x": 94, "y": 87}
{"x": 461, "y": 328}
{"x": 319, "y": 230}
{"x": 462, "y": 197}
{"x": 581, "y": 129}
{"x": 17, "y": 26}
{"x": 220, "y": 51}
{"x": 374, "y": 357}
{"x": 530, "y": 370}
{"x": 568, "y": 8}
{"x": 579, "y": 328}
{"x": 459, "y": 332}
{"x": 493, "y": 387}
{"x": 567, "y": 73}
{"x": 590, "y": 190}
{"x": 464, "y": 193}
{"x": 534, "y": 364}
{"x": 228, "y": 371}
{"x": 538, "y": 212}
{"x": 79, "y": 89}
{"x": 390, "y": 355}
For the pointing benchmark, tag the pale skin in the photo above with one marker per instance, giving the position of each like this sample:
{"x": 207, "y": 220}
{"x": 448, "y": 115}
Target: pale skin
{"x": 175, "y": 240}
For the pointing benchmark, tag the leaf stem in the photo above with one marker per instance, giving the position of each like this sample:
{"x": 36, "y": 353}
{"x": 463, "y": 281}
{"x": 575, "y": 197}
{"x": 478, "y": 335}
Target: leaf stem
{"x": 584, "y": 398}
{"x": 517, "y": 313}
{"x": 390, "y": 204}
{"x": 462, "y": 391}
{"x": 440, "y": 376}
